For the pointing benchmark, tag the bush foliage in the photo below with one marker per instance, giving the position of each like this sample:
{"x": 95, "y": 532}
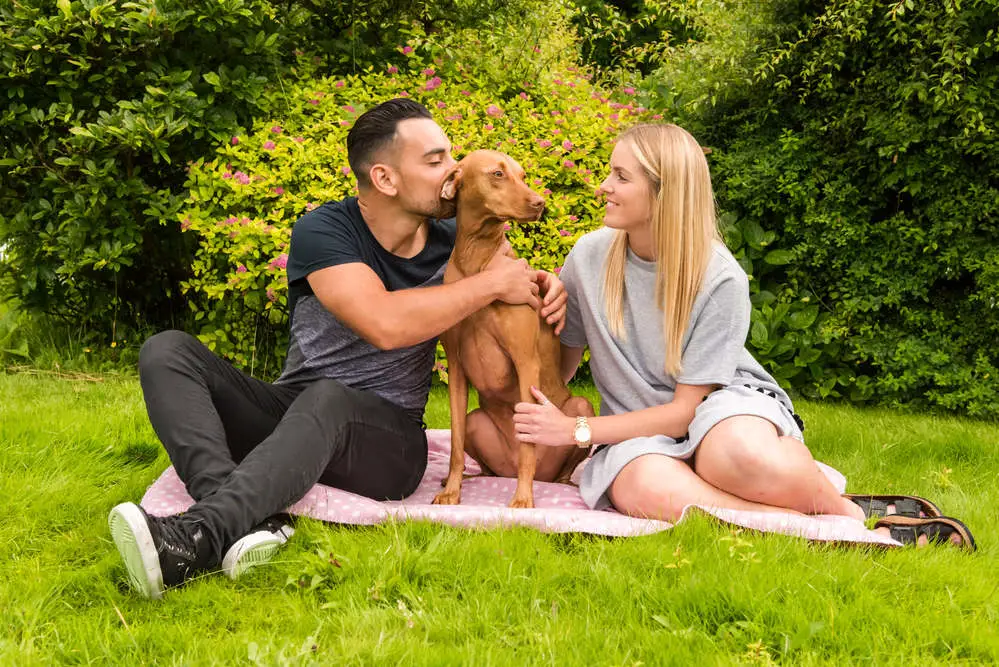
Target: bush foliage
{"x": 862, "y": 137}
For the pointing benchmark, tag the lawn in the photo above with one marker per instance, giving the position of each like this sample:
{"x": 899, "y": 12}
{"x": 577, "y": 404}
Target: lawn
{"x": 416, "y": 593}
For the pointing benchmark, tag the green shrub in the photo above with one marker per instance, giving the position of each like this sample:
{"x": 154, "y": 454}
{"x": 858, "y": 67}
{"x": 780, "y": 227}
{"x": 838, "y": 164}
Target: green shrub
{"x": 861, "y": 135}
{"x": 104, "y": 105}
{"x": 243, "y": 202}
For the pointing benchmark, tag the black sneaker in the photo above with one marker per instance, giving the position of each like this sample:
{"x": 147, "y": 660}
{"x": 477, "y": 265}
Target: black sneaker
{"x": 159, "y": 552}
{"x": 258, "y": 546}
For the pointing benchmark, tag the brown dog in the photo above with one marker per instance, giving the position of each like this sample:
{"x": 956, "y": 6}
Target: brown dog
{"x": 503, "y": 350}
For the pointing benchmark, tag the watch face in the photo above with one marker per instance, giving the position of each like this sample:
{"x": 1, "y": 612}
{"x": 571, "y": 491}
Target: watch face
{"x": 583, "y": 433}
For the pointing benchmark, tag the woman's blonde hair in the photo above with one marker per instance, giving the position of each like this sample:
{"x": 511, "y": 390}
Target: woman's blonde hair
{"x": 683, "y": 231}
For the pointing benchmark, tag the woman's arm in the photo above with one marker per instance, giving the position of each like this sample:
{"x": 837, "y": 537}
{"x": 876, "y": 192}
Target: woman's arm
{"x": 570, "y": 359}
{"x": 544, "y": 424}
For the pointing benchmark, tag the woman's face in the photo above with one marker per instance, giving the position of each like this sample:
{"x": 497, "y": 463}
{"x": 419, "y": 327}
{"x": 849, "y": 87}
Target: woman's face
{"x": 627, "y": 191}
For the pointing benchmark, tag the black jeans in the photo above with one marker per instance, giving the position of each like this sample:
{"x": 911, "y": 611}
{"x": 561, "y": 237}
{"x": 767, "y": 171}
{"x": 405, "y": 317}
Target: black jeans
{"x": 247, "y": 449}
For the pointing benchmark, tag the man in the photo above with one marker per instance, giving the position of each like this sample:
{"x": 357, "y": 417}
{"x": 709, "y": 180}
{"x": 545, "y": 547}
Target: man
{"x": 367, "y": 305}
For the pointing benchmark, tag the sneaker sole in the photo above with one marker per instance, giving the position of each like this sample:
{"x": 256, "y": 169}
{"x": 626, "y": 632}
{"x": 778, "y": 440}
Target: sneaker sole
{"x": 250, "y": 552}
{"x": 131, "y": 535}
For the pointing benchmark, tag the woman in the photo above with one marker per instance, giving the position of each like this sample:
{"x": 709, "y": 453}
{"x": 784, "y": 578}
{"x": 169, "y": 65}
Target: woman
{"x": 688, "y": 416}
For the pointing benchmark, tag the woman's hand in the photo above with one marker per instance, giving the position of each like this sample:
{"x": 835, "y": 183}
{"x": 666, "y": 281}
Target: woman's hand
{"x": 542, "y": 423}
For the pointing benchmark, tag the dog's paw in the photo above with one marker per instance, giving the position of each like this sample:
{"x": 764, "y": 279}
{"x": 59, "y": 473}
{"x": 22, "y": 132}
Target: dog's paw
{"x": 519, "y": 502}
{"x": 446, "y": 498}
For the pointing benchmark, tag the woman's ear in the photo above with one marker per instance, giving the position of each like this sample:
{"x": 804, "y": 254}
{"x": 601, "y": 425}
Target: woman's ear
{"x": 452, "y": 183}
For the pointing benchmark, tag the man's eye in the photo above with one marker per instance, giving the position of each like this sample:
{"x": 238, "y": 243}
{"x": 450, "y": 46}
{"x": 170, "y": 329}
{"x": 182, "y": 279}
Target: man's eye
{"x": 498, "y": 174}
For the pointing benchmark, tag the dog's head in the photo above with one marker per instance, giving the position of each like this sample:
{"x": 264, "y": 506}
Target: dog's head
{"x": 490, "y": 186}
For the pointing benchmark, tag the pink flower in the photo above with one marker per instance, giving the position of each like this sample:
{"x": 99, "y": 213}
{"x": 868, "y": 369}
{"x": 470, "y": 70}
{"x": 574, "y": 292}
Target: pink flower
{"x": 271, "y": 296}
{"x": 573, "y": 218}
{"x": 564, "y": 232}
{"x": 442, "y": 105}
{"x": 268, "y": 145}
{"x": 344, "y": 123}
{"x": 506, "y": 227}
{"x": 557, "y": 82}
{"x": 278, "y": 191}
{"x": 494, "y": 111}
{"x": 428, "y": 72}
{"x": 227, "y": 174}
{"x": 277, "y": 129}
{"x": 488, "y": 126}
{"x": 234, "y": 141}
{"x": 558, "y": 270}
{"x": 568, "y": 164}
{"x": 240, "y": 269}
{"x": 406, "y": 50}
{"x": 544, "y": 143}
{"x": 556, "y": 131}
{"x": 348, "y": 108}
{"x": 309, "y": 206}
{"x": 404, "y": 93}
{"x": 313, "y": 102}
{"x": 433, "y": 83}
{"x": 522, "y": 95}
{"x": 242, "y": 178}
{"x": 457, "y": 148}
{"x": 537, "y": 181}
{"x": 546, "y": 192}
{"x": 299, "y": 139}
{"x": 185, "y": 224}
{"x": 629, "y": 91}
{"x": 338, "y": 84}
{"x": 537, "y": 49}
{"x": 345, "y": 170}
{"x": 657, "y": 116}
{"x": 511, "y": 140}
{"x": 392, "y": 69}
{"x": 465, "y": 93}
{"x": 279, "y": 262}
{"x": 457, "y": 116}
{"x": 567, "y": 145}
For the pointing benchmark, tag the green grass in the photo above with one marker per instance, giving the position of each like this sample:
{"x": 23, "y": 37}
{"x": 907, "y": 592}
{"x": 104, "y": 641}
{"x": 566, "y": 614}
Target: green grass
{"x": 418, "y": 593}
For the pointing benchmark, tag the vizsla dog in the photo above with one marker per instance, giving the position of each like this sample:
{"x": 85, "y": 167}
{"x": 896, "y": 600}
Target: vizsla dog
{"x": 503, "y": 350}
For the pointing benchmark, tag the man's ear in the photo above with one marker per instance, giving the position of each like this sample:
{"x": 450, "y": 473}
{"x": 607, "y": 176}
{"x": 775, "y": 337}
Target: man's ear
{"x": 452, "y": 183}
{"x": 383, "y": 179}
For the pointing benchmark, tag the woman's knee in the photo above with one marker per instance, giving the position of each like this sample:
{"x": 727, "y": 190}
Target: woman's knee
{"x": 652, "y": 486}
{"x": 738, "y": 451}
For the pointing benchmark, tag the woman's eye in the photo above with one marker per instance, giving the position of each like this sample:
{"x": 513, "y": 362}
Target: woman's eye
{"x": 498, "y": 174}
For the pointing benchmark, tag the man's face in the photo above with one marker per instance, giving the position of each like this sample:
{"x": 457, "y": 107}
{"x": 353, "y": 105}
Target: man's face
{"x": 421, "y": 159}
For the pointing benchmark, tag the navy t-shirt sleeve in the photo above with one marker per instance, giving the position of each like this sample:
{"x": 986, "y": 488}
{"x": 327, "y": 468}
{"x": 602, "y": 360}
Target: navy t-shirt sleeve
{"x": 321, "y": 239}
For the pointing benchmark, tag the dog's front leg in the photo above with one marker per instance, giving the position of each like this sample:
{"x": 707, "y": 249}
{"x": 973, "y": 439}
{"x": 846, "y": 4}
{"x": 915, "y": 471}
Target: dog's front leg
{"x": 528, "y": 374}
{"x": 457, "y": 384}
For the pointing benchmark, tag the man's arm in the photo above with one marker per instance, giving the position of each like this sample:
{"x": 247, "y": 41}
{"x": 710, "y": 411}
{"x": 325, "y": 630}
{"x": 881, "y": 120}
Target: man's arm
{"x": 389, "y": 320}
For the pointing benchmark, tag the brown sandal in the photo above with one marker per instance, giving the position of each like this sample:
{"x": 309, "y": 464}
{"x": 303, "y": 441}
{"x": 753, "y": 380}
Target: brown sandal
{"x": 877, "y": 506}
{"x": 938, "y": 530}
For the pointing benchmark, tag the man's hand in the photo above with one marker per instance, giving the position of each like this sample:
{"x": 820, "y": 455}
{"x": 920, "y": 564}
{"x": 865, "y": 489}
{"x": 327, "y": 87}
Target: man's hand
{"x": 515, "y": 281}
{"x": 554, "y": 301}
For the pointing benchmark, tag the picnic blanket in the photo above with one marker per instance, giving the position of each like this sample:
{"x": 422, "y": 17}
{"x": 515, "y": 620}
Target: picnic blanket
{"x": 558, "y": 507}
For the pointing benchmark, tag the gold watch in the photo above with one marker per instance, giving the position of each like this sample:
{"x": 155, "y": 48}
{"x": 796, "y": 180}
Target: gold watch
{"x": 582, "y": 433}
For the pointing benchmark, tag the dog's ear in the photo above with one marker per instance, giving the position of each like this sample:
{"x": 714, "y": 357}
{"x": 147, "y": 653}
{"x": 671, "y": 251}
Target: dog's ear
{"x": 452, "y": 182}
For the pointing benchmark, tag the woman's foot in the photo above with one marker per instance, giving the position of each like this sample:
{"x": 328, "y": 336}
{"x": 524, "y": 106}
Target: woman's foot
{"x": 922, "y": 531}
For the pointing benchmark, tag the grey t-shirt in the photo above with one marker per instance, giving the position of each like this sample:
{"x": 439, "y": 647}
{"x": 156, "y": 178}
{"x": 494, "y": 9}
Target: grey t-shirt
{"x": 630, "y": 374}
{"x": 323, "y": 347}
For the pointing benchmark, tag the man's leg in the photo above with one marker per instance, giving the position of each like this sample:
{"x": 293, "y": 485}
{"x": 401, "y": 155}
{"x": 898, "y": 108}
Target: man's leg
{"x": 352, "y": 440}
{"x": 207, "y": 414}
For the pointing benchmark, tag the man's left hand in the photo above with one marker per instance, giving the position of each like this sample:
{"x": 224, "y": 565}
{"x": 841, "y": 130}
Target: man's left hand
{"x": 555, "y": 299}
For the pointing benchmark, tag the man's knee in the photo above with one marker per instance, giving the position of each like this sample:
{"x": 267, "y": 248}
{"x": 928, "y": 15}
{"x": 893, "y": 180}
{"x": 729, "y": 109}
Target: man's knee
{"x": 163, "y": 347}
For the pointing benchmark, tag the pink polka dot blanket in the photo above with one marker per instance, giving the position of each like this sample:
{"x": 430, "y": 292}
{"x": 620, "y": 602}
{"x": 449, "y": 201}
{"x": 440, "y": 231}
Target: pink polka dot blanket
{"x": 558, "y": 507}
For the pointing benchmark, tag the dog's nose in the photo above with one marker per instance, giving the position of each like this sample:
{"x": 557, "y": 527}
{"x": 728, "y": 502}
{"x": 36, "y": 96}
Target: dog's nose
{"x": 536, "y": 203}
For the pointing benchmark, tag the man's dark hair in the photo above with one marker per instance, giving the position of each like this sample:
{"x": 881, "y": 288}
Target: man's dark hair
{"x": 374, "y": 129}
